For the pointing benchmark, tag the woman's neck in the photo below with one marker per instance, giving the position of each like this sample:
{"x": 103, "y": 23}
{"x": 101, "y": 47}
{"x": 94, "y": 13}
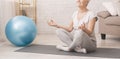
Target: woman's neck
{"x": 82, "y": 10}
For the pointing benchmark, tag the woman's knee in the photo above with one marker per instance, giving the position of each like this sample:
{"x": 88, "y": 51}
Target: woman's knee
{"x": 81, "y": 32}
{"x": 58, "y": 31}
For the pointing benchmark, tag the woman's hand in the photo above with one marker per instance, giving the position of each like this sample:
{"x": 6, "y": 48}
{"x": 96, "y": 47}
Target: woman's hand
{"x": 82, "y": 27}
{"x": 90, "y": 27}
{"x": 52, "y": 23}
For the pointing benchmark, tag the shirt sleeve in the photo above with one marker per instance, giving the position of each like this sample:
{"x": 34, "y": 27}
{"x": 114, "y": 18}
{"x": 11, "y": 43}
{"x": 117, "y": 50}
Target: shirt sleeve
{"x": 92, "y": 15}
{"x": 74, "y": 14}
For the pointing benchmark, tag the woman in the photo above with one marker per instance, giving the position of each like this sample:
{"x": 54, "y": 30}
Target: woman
{"x": 79, "y": 36}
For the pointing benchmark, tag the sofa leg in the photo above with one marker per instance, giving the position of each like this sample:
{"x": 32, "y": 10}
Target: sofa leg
{"x": 103, "y": 36}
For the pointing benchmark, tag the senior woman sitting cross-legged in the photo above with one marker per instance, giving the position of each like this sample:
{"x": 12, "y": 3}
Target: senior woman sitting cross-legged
{"x": 79, "y": 36}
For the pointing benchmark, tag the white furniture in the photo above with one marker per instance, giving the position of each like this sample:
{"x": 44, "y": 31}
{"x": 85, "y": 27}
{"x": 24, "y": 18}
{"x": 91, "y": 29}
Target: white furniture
{"x": 108, "y": 24}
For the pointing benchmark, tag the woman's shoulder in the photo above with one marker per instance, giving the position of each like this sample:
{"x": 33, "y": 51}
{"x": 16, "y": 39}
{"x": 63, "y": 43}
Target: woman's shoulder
{"x": 74, "y": 14}
{"x": 91, "y": 12}
{"x": 91, "y": 15}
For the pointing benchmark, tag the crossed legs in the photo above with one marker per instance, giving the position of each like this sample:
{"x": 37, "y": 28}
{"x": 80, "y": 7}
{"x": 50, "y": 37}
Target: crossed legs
{"x": 79, "y": 41}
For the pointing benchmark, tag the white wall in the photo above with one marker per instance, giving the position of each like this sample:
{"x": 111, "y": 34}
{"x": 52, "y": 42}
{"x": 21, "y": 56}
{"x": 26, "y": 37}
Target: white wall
{"x": 6, "y": 12}
{"x": 61, "y": 10}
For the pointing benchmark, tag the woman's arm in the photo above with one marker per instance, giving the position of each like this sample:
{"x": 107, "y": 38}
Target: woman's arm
{"x": 54, "y": 24}
{"x": 69, "y": 28}
{"x": 90, "y": 28}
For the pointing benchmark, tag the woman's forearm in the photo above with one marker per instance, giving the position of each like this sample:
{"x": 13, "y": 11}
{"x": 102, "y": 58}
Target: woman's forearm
{"x": 90, "y": 27}
{"x": 65, "y": 28}
{"x": 89, "y": 32}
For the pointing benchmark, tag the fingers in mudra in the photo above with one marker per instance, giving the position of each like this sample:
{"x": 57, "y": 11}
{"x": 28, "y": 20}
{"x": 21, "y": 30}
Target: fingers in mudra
{"x": 52, "y": 23}
{"x": 82, "y": 26}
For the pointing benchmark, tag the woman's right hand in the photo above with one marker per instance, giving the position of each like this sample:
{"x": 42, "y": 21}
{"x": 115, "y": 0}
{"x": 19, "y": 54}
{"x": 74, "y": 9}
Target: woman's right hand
{"x": 52, "y": 23}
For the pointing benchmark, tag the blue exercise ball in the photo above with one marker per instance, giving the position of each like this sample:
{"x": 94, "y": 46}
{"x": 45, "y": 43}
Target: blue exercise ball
{"x": 20, "y": 30}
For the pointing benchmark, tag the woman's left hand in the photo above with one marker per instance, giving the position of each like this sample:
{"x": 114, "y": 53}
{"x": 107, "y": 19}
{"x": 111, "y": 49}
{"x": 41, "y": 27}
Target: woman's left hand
{"x": 82, "y": 27}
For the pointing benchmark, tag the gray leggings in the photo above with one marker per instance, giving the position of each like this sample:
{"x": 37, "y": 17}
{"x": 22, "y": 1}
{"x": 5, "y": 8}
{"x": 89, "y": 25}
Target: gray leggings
{"x": 76, "y": 38}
